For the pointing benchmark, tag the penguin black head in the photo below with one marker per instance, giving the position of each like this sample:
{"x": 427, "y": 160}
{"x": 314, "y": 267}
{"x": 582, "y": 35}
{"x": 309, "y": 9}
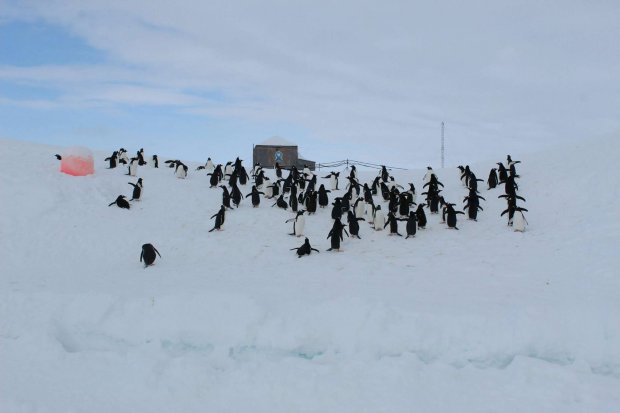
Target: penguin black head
{"x": 300, "y": 212}
{"x": 378, "y": 207}
{"x": 58, "y": 157}
{"x": 429, "y": 168}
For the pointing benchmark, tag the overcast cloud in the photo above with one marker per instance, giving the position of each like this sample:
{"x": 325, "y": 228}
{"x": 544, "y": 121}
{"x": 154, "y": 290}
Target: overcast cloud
{"x": 504, "y": 76}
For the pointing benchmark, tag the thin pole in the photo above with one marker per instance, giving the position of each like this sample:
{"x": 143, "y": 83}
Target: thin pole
{"x": 442, "y": 144}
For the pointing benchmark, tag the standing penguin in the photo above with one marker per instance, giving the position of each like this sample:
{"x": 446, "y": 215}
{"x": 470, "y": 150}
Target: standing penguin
{"x": 378, "y": 221}
{"x": 305, "y": 249}
{"x": 225, "y": 197}
{"x": 333, "y": 179}
{"x": 392, "y": 221}
{"x": 133, "y": 167}
{"x": 148, "y": 254}
{"x": 411, "y": 224}
{"x": 113, "y": 160}
{"x": 219, "y": 216}
{"x": 121, "y": 202}
{"x": 137, "y": 190}
{"x": 299, "y": 222}
{"x": 421, "y": 216}
{"x": 337, "y": 209}
{"x": 354, "y": 227}
{"x": 335, "y": 235}
{"x": 255, "y": 194}
{"x": 311, "y": 202}
{"x": 155, "y": 161}
{"x": 492, "y": 181}
{"x": 359, "y": 207}
{"x": 519, "y": 222}
{"x": 323, "y": 198}
{"x": 451, "y": 215}
{"x": 181, "y": 170}
{"x": 473, "y": 204}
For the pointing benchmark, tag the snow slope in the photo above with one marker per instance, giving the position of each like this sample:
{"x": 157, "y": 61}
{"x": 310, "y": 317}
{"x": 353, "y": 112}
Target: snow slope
{"x": 478, "y": 320}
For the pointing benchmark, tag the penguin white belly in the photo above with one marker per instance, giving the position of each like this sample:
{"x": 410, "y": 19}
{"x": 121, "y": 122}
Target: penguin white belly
{"x": 360, "y": 209}
{"x": 180, "y": 172}
{"x": 300, "y": 223}
{"x": 518, "y": 221}
{"x": 368, "y": 210}
{"x": 379, "y": 221}
{"x": 334, "y": 182}
{"x": 132, "y": 169}
{"x": 227, "y": 172}
{"x": 268, "y": 191}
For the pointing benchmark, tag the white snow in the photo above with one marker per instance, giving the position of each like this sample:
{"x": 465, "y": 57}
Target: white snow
{"x": 277, "y": 141}
{"x": 483, "y": 319}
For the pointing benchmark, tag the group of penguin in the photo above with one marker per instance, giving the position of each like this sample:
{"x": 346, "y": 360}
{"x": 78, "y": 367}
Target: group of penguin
{"x": 357, "y": 202}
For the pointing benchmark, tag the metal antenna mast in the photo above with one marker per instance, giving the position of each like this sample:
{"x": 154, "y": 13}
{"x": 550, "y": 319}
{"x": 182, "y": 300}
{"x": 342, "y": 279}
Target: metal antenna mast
{"x": 442, "y": 144}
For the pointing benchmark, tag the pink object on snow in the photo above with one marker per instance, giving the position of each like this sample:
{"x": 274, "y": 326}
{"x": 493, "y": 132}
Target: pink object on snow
{"x": 77, "y": 161}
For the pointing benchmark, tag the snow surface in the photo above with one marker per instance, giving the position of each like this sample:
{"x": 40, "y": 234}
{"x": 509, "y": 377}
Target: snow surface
{"x": 478, "y": 320}
{"x": 277, "y": 141}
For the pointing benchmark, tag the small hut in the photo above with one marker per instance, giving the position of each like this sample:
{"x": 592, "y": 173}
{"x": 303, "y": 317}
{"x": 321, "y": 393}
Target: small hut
{"x": 279, "y": 150}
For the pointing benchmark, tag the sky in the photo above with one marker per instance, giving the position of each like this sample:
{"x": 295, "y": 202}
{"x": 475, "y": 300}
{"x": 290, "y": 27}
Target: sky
{"x": 360, "y": 79}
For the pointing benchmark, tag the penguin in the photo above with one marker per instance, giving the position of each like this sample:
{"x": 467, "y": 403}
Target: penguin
{"x": 58, "y": 157}
{"x": 492, "y": 180}
{"x": 155, "y": 161}
{"x": 292, "y": 200}
{"x": 311, "y": 202}
{"x": 384, "y": 174}
{"x": 519, "y": 222}
{"x": 137, "y": 190}
{"x": 243, "y": 176}
{"x": 181, "y": 170}
{"x": 353, "y": 174}
{"x": 225, "y": 197}
{"x": 278, "y": 170}
{"x": 305, "y": 249}
{"x": 148, "y": 254}
{"x": 337, "y": 208}
{"x": 209, "y": 166}
{"x": 451, "y": 215}
{"x": 421, "y": 216}
{"x": 503, "y": 174}
{"x": 299, "y": 222}
{"x": 359, "y": 207}
{"x": 323, "y": 198}
{"x": 404, "y": 201}
{"x": 378, "y": 221}
{"x": 140, "y": 156}
{"x": 473, "y": 204}
{"x": 333, "y": 180}
{"x": 228, "y": 169}
{"x": 411, "y": 224}
{"x": 428, "y": 175}
{"x": 133, "y": 167}
{"x": 392, "y": 221}
{"x": 219, "y": 219}
{"x": 112, "y": 160}
{"x": 281, "y": 203}
{"x": 335, "y": 235}
{"x": 122, "y": 156}
{"x": 512, "y": 207}
{"x": 255, "y": 194}
{"x": 121, "y": 202}
{"x": 235, "y": 195}
{"x": 354, "y": 227}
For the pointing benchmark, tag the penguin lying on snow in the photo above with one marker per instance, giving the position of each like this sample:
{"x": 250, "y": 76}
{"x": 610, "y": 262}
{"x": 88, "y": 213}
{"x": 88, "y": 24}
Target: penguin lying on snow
{"x": 148, "y": 254}
{"x": 120, "y": 202}
{"x": 305, "y": 249}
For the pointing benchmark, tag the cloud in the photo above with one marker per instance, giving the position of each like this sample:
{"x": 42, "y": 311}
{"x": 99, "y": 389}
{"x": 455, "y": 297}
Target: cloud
{"x": 378, "y": 73}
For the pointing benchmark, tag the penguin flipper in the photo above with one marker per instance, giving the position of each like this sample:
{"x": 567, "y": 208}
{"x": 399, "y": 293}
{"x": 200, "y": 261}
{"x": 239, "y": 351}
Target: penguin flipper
{"x": 157, "y": 252}
{"x": 141, "y": 254}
